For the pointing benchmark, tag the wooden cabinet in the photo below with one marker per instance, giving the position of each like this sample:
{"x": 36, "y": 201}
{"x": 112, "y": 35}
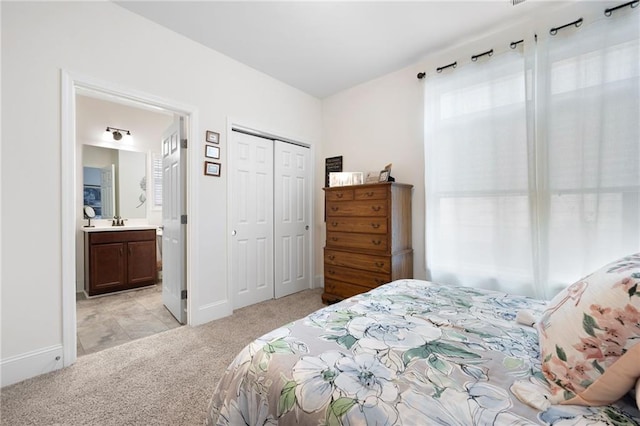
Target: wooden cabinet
{"x": 368, "y": 241}
{"x": 119, "y": 260}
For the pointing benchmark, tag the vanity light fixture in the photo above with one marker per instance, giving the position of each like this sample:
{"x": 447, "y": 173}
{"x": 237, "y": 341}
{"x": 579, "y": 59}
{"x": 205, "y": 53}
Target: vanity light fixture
{"x": 117, "y": 133}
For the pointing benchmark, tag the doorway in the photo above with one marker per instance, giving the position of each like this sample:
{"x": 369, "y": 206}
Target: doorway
{"x": 120, "y": 180}
{"x": 71, "y": 85}
{"x": 270, "y": 216}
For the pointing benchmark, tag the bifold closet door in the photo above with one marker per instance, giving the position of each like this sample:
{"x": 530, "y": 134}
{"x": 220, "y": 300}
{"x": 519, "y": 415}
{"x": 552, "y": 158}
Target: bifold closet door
{"x": 252, "y": 219}
{"x": 292, "y": 210}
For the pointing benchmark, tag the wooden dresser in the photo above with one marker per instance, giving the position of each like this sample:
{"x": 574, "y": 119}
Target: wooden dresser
{"x": 368, "y": 238}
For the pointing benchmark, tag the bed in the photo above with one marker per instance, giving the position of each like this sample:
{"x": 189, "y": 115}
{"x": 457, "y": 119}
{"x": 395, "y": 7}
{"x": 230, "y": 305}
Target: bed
{"x": 410, "y": 352}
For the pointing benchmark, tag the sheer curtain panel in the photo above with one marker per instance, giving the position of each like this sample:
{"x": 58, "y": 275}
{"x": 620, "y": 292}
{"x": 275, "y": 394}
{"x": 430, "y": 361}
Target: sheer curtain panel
{"x": 588, "y": 127}
{"x": 478, "y": 217}
{"x": 533, "y": 160}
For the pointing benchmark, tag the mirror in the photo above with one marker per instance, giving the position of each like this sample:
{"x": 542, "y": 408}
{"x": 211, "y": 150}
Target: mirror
{"x": 114, "y": 182}
{"x": 89, "y": 213}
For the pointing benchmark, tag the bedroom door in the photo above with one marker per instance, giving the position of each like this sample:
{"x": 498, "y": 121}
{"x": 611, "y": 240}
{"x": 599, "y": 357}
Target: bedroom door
{"x": 252, "y": 219}
{"x": 173, "y": 207}
{"x": 292, "y": 211}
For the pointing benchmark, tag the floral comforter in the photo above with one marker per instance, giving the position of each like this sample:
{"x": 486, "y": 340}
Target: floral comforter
{"x": 407, "y": 353}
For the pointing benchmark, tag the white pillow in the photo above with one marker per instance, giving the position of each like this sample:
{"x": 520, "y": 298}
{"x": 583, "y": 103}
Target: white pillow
{"x": 590, "y": 336}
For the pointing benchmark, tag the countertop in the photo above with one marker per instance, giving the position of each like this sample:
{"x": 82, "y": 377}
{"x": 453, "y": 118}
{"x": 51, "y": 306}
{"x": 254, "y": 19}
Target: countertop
{"x": 118, "y": 228}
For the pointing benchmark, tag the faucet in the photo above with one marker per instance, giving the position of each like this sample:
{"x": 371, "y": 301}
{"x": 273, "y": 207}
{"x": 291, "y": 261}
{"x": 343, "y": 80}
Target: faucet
{"x": 117, "y": 221}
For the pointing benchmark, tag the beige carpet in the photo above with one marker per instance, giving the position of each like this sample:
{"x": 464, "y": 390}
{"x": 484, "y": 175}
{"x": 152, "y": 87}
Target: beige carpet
{"x": 164, "y": 379}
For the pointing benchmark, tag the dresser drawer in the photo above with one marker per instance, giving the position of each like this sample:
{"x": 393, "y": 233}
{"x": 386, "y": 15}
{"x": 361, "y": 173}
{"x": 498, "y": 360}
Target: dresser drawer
{"x": 376, "y": 242}
{"x": 375, "y": 225}
{"x": 356, "y": 276}
{"x": 341, "y": 290}
{"x": 371, "y": 193}
{"x": 339, "y": 195}
{"x": 106, "y": 237}
{"x": 368, "y": 262}
{"x": 357, "y": 208}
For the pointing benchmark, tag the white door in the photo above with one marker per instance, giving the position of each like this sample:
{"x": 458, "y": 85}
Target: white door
{"x": 173, "y": 207}
{"x": 108, "y": 191}
{"x": 292, "y": 218}
{"x": 252, "y": 219}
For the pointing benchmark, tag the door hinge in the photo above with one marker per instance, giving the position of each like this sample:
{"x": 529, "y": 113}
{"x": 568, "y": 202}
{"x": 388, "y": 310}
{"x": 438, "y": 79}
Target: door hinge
{"x": 183, "y": 219}
{"x": 183, "y": 143}
{"x": 183, "y": 295}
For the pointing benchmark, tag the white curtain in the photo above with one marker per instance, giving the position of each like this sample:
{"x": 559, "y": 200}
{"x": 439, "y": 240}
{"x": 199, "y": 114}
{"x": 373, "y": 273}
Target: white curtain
{"x": 533, "y": 161}
{"x": 588, "y": 128}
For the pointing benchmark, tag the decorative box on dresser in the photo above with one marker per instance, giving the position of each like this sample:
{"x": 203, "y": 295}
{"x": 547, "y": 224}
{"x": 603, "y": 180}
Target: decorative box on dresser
{"x": 368, "y": 240}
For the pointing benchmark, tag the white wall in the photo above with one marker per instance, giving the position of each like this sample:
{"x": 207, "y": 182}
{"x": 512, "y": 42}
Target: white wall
{"x": 105, "y": 42}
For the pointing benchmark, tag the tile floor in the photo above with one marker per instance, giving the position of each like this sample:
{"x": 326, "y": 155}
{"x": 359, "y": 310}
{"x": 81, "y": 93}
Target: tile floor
{"x": 112, "y": 320}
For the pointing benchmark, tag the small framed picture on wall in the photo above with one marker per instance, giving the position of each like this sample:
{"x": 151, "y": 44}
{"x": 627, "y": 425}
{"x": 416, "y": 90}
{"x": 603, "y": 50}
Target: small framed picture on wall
{"x": 211, "y": 168}
{"x": 212, "y": 137}
{"x": 211, "y": 151}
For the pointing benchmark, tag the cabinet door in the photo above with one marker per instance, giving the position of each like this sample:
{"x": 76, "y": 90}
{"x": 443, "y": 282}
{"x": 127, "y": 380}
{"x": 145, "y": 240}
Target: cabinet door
{"x": 141, "y": 262}
{"x": 107, "y": 267}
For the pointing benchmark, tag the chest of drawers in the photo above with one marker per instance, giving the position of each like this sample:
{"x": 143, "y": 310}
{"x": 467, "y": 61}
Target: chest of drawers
{"x": 368, "y": 241}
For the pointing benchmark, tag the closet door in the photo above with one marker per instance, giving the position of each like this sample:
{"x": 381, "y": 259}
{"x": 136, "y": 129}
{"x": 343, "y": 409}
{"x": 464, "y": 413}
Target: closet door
{"x": 292, "y": 218}
{"x": 252, "y": 218}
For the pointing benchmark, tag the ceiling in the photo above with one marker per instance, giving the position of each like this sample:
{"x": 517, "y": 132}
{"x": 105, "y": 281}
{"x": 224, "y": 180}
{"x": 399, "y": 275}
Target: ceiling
{"x": 324, "y": 47}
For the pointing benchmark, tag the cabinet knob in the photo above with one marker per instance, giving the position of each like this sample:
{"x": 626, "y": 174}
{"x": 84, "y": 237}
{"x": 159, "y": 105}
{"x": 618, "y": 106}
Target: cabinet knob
{"x": 376, "y": 208}
{"x": 375, "y": 225}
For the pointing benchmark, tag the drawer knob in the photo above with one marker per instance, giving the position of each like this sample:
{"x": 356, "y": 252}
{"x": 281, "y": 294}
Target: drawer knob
{"x": 370, "y": 194}
{"x": 339, "y": 195}
{"x": 334, "y": 238}
{"x": 332, "y": 272}
{"x": 375, "y": 225}
{"x": 376, "y": 242}
{"x": 379, "y": 281}
{"x": 334, "y": 223}
{"x": 334, "y": 208}
{"x": 331, "y": 257}
{"x": 376, "y": 208}
{"x": 379, "y": 264}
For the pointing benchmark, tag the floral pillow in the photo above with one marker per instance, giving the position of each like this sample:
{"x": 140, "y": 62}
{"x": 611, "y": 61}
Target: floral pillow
{"x": 590, "y": 336}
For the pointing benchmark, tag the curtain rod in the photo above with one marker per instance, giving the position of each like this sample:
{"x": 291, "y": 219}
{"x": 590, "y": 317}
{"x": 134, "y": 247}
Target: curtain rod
{"x": 632, "y": 3}
{"x": 474, "y": 58}
{"x": 553, "y": 31}
{"x": 479, "y": 55}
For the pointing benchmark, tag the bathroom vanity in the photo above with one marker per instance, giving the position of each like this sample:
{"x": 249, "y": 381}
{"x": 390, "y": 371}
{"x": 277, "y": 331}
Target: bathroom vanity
{"x": 119, "y": 258}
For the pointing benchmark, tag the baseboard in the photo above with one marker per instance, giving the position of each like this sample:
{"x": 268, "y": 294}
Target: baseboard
{"x": 318, "y": 281}
{"x": 21, "y": 367}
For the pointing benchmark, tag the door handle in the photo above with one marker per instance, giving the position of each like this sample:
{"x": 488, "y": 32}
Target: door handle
{"x": 233, "y": 233}
{"x": 306, "y": 227}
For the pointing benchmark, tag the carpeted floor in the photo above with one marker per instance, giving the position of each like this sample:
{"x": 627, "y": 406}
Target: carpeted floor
{"x": 164, "y": 379}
